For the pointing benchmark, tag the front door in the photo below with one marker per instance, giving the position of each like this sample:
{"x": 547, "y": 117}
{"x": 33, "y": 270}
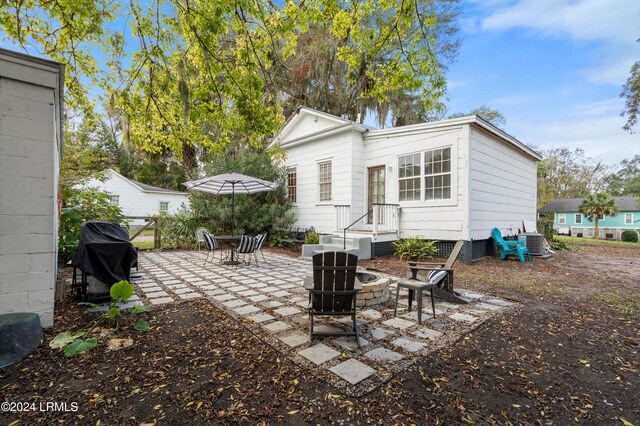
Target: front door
{"x": 376, "y": 189}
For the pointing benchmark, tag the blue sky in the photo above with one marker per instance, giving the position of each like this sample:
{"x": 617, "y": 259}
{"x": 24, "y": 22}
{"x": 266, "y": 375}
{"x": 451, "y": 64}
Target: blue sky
{"x": 553, "y": 68}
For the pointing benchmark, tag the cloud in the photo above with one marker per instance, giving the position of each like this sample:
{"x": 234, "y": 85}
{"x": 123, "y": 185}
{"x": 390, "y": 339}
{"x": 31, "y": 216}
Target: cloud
{"x": 585, "y": 20}
{"x": 614, "y": 70}
{"x": 595, "y": 127}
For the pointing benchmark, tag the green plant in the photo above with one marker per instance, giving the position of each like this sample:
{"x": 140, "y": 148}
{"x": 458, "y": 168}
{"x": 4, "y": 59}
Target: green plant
{"x": 177, "y": 231}
{"x": 561, "y": 245}
{"x": 73, "y": 344}
{"x": 415, "y": 248}
{"x": 312, "y": 238}
{"x": 278, "y": 236}
{"x": 81, "y": 206}
{"x": 596, "y": 205}
{"x": 629, "y": 236}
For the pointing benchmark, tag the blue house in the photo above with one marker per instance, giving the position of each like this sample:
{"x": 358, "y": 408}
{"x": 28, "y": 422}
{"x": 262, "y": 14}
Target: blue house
{"x": 569, "y": 221}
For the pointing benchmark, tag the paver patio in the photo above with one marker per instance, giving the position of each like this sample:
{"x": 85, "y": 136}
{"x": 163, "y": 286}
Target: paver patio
{"x": 269, "y": 299}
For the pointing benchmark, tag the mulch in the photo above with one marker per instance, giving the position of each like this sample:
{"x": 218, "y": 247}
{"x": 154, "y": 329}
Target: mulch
{"x": 561, "y": 359}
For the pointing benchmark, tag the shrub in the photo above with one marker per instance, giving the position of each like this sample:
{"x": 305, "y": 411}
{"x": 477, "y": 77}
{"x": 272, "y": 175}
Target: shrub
{"x": 559, "y": 245}
{"x": 277, "y": 237}
{"x": 178, "y": 231}
{"x": 630, "y": 236}
{"x": 312, "y": 238}
{"x": 414, "y": 248}
{"x": 83, "y": 205}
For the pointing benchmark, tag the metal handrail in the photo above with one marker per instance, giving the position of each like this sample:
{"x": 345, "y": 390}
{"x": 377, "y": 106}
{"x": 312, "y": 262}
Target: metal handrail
{"x": 344, "y": 234}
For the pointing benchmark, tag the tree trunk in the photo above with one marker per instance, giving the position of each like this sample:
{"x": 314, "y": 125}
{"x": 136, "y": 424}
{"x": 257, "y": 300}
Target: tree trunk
{"x": 596, "y": 235}
{"x": 188, "y": 160}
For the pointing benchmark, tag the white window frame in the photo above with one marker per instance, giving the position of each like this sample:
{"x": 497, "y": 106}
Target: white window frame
{"x": 293, "y": 169}
{"x": 422, "y": 202}
{"x": 114, "y": 199}
{"x": 328, "y": 200}
{"x": 435, "y": 175}
{"x": 417, "y": 177}
{"x": 578, "y": 216}
{"x": 630, "y": 216}
{"x": 160, "y": 208}
{"x": 601, "y": 217}
{"x": 562, "y": 218}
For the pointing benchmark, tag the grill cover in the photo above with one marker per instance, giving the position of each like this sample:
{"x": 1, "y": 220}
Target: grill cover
{"x": 105, "y": 252}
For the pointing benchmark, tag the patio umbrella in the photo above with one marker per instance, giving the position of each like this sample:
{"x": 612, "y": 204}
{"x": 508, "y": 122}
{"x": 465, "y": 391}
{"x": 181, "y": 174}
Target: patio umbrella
{"x": 231, "y": 183}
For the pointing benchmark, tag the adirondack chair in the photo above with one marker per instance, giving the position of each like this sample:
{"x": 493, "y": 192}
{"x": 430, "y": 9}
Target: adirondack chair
{"x": 432, "y": 274}
{"x": 333, "y": 289}
{"x": 510, "y": 248}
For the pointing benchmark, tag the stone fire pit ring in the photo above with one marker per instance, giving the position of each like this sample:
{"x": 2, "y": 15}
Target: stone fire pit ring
{"x": 375, "y": 289}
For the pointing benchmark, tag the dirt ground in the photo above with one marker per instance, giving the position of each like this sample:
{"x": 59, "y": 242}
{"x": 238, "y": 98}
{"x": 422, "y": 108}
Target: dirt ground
{"x": 570, "y": 355}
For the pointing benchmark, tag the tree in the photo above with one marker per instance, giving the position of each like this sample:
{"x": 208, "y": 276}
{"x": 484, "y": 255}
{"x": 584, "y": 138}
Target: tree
{"x": 564, "y": 173}
{"x": 493, "y": 116}
{"x": 631, "y": 94}
{"x": 596, "y": 205}
{"x": 625, "y": 181}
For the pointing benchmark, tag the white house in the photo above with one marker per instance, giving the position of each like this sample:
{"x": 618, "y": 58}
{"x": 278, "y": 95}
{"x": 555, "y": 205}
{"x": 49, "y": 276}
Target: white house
{"x": 450, "y": 180}
{"x": 31, "y": 111}
{"x": 139, "y": 199}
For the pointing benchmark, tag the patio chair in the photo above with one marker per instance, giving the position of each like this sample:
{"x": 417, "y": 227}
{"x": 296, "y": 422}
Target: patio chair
{"x": 510, "y": 247}
{"x": 200, "y": 241}
{"x": 333, "y": 289}
{"x": 261, "y": 238}
{"x": 435, "y": 277}
{"x": 212, "y": 245}
{"x": 248, "y": 246}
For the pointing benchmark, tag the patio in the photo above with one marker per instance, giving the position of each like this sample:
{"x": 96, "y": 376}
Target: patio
{"x": 270, "y": 302}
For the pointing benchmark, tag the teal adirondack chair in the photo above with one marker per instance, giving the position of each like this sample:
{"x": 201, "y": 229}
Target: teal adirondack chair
{"x": 509, "y": 248}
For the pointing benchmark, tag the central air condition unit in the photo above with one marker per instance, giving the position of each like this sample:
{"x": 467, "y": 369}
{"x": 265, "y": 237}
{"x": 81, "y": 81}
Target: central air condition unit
{"x": 535, "y": 244}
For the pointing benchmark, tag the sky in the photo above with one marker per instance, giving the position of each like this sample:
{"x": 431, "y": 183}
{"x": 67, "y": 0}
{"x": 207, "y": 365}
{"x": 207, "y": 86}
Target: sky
{"x": 553, "y": 68}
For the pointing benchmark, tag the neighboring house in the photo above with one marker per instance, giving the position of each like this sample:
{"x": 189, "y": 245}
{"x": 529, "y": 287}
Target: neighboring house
{"x": 568, "y": 220}
{"x": 31, "y": 111}
{"x": 138, "y": 199}
{"x": 449, "y": 180}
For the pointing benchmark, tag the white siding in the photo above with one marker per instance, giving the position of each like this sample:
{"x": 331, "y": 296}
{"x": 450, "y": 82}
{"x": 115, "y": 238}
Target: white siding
{"x": 135, "y": 202}
{"x": 308, "y": 124}
{"x": 502, "y": 187}
{"x": 442, "y": 220}
{"x": 29, "y": 143}
{"x": 309, "y": 211}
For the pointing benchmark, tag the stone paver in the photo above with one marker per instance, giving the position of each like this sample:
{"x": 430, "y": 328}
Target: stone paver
{"x": 258, "y": 298}
{"x": 189, "y": 296}
{"x": 488, "y": 306}
{"x": 458, "y": 316}
{"x": 371, "y": 314}
{"x": 427, "y": 333}
{"x": 379, "y": 333}
{"x": 259, "y": 318}
{"x": 277, "y": 327}
{"x": 249, "y": 309}
{"x": 287, "y": 311}
{"x": 272, "y": 304}
{"x": 319, "y": 353}
{"x": 349, "y": 342}
{"x": 224, "y": 297}
{"x": 234, "y": 303}
{"x": 157, "y": 294}
{"x": 353, "y": 371}
{"x": 399, "y": 323}
{"x": 499, "y": 302}
{"x": 161, "y": 301}
{"x": 294, "y": 339}
{"x": 383, "y": 355}
{"x": 408, "y": 345}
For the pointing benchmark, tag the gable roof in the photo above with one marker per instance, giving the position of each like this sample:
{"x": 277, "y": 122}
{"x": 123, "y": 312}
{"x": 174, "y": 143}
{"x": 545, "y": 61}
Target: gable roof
{"x": 573, "y": 205}
{"x": 147, "y": 188}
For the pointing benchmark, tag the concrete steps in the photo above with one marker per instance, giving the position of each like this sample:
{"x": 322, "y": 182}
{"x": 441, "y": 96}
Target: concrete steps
{"x": 360, "y": 246}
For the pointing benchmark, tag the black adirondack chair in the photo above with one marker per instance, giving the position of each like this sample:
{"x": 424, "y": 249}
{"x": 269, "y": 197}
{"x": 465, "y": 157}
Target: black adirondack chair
{"x": 333, "y": 289}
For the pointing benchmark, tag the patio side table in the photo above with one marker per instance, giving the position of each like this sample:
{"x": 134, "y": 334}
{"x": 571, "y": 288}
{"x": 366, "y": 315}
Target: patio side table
{"x": 415, "y": 286}
{"x": 232, "y": 241}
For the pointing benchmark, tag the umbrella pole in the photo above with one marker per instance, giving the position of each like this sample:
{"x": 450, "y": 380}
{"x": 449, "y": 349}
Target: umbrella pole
{"x": 233, "y": 207}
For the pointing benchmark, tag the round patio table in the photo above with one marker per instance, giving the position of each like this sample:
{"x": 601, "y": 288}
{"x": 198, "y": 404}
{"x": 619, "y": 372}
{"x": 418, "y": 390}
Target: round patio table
{"x": 232, "y": 240}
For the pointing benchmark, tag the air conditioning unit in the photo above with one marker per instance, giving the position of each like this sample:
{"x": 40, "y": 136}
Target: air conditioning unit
{"x": 535, "y": 244}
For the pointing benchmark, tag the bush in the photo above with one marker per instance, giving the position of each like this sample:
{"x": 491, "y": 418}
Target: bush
{"x": 414, "y": 248}
{"x": 545, "y": 225}
{"x": 630, "y": 236}
{"x": 559, "y": 245}
{"x": 312, "y": 238}
{"x": 278, "y": 235}
{"x": 81, "y": 206}
{"x": 178, "y": 231}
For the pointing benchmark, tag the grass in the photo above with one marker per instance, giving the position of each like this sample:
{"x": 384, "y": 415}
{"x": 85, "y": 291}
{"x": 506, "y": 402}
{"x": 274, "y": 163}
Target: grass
{"x": 592, "y": 242}
{"x": 143, "y": 245}
{"x": 625, "y": 303}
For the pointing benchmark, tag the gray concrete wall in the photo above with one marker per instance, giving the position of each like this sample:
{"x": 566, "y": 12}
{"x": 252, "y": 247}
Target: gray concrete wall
{"x": 30, "y": 140}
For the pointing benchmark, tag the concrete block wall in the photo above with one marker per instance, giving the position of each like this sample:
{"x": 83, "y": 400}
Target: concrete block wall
{"x": 29, "y": 141}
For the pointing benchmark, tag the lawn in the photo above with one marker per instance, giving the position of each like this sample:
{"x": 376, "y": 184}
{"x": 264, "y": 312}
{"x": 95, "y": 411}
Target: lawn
{"x": 590, "y": 242}
{"x": 569, "y": 355}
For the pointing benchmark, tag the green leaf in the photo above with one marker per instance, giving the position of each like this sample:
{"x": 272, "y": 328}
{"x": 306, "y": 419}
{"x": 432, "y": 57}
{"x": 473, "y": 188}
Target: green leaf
{"x": 141, "y": 325}
{"x": 89, "y": 304}
{"x": 121, "y": 290}
{"x": 64, "y": 338}
{"x": 114, "y": 313}
{"x": 80, "y": 346}
{"x": 140, "y": 309}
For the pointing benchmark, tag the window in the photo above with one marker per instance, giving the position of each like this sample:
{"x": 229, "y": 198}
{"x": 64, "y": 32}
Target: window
{"x": 115, "y": 199}
{"x": 628, "y": 218}
{"x": 292, "y": 177}
{"x": 437, "y": 172}
{"x": 562, "y": 218}
{"x": 578, "y": 218}
{"x": 600, "y": 217}
{"x": 164, "y": 206}
{"x": 324, "y": 180}
{"x": 409, "y": 177}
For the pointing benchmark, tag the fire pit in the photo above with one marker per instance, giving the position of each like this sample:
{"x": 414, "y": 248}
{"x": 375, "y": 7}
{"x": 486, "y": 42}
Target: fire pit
{"x": 375, "y": 289}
